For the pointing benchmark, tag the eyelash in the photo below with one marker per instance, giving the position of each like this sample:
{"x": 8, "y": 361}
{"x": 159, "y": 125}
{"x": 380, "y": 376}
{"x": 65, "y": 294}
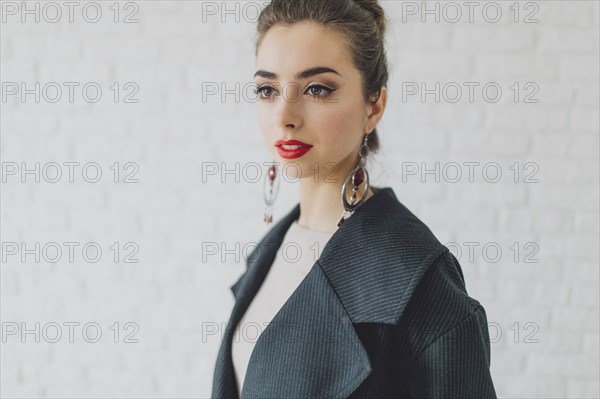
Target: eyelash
{"x": 328, "y": 90}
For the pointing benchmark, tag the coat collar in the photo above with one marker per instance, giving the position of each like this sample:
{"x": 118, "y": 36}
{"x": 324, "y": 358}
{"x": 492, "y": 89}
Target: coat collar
{"x": 367, "y": 272}
{"x": 382, "y": 243}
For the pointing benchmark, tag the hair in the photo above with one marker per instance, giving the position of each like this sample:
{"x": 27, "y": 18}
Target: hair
{"x": 363, "y": 24}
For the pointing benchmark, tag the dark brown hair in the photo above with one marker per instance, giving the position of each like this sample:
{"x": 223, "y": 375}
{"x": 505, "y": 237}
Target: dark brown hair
{"x": 361, "y": 21}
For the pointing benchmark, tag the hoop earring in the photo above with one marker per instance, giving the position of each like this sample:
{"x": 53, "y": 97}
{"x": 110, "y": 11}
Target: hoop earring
{"x": 358, "y": 175}
{"x": 270, "y": 191}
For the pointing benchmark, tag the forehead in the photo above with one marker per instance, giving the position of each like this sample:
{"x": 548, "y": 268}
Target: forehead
{"x": 286, "y": 50}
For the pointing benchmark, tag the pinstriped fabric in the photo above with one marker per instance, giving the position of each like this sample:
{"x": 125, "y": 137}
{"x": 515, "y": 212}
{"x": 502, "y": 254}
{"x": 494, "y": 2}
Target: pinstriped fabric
{"x": 453, "y": 365}
{"x": 224, "y": 382}
{"x": 402, "y": 247}
{"x": 259, "y": 261}
{"x": 438, "y": 349}
{"x": 311, "y": 323}
{"x": 384, "y": 312}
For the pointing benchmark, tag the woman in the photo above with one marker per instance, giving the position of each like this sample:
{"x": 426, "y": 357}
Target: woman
{"x": 383, "y": 311}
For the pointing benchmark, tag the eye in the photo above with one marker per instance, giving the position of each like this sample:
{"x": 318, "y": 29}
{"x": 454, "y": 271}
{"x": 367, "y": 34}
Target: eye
{"x": 264, "y": 91}
{"x": 319, "y": 90}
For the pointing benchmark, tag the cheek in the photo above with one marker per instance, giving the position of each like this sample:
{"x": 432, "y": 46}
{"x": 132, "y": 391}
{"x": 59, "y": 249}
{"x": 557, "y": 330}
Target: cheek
{"x": 338, "y": 125}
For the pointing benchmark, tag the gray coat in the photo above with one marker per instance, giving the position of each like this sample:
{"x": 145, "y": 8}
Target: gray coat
{"x": 383, "y": 313}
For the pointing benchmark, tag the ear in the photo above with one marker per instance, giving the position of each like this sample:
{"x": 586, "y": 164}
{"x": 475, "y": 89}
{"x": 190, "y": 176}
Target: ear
{"x": 375, "y": 111}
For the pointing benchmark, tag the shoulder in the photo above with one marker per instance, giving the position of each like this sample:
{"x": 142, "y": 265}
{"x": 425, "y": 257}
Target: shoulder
{"x": 386, "y": 265}
{"x": 440, "y": 301}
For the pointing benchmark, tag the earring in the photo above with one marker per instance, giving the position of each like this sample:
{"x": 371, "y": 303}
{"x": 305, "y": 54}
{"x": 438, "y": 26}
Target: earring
{"x": 270, "y": 191}
{"x": 358, "y": 175}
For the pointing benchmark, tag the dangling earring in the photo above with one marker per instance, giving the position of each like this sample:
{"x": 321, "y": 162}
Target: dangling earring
{"x": 270, "y": 190}
{"x": 358, "y": 175}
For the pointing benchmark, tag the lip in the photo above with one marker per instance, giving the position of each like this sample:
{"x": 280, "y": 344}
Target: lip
{"x": 295, "y": 153}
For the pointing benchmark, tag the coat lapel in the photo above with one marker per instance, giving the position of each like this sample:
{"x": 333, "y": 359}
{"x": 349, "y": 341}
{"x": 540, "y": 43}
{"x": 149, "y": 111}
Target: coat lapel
{"x": 244, "y": 290}
{"x": 310, "y": 348}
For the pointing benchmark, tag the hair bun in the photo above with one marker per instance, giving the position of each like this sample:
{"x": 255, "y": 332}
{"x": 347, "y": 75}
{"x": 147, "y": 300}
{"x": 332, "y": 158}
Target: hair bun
{"x": 376, "y": 10}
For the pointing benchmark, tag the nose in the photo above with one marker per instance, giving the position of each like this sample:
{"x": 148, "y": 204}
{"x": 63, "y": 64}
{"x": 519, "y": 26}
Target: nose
{"x": 290, "y": 108}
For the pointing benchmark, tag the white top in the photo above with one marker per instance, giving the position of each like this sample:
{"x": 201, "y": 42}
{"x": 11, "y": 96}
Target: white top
{"x": 299, "y": 250}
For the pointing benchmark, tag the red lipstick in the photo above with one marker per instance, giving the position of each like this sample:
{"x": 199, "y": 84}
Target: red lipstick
{"x": 291, "y": 149}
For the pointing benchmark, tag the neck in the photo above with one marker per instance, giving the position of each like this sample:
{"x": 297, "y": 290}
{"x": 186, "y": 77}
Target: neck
{"x": 321, "y": 202}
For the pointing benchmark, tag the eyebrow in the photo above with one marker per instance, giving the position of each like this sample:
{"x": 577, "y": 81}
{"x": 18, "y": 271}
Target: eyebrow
{"x": 301, "y": 75}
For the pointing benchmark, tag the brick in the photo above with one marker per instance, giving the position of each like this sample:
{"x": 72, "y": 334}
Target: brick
{"x": 579, "y": 67}
{"x": 591, "y": 343}
{"x": 519, "y": 386}
{"x": 554, "y": 92}
{"x": 525, "y": 67}
{"x": 46, "y": 46}
{"x": 563, "y": 365}
{"x": 574, "y": 318}
{"x": 586, "y": 222}
{"x": 585, "y": 146}
{"x": 584, "y": 198}
{"x": 582, "y": 388}
{"x": 419, "y": 36}
{"x": 585, "y": 119}
{"x": 587, "y": 272}
{"x": 585, "y": 296}
{"x": 493, "y": 39}
{"x": 568, "y": 40}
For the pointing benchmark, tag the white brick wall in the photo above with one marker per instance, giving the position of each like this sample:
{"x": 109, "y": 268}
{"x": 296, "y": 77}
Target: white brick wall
{"x": 543, "y": 316}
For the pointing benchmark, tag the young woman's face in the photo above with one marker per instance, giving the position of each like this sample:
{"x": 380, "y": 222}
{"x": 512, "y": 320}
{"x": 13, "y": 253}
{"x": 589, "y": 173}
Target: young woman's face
{"x": 308, "y": 90}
